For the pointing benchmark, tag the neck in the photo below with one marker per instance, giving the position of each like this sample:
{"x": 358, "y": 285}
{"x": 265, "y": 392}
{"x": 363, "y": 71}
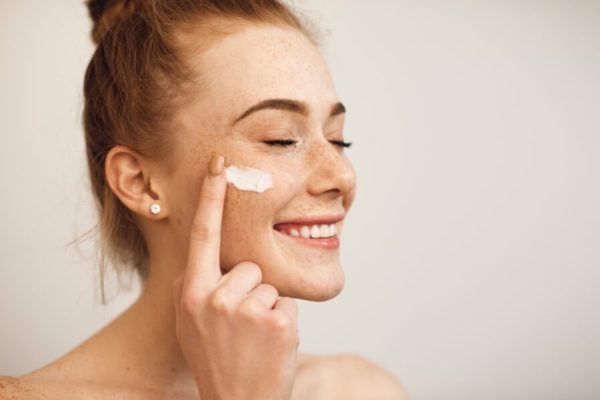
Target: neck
{"x": 152, "y": 317}
{"x": 151, "y": 320}
{"x": 140, "y": 345}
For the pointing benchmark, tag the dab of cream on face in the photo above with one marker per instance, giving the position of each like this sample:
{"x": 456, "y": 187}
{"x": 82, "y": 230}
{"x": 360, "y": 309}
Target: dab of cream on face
{"x": 248, "y": 179}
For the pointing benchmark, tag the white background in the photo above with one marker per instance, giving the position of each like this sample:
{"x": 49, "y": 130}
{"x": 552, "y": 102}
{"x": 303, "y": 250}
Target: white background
{"x": 472, "y": 253}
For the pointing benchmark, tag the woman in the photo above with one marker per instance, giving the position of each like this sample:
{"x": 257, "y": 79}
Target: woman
{"x": 177, "y": 91}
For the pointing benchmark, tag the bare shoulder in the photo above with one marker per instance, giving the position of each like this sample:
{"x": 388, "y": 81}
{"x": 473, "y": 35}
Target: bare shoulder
{"x": 26, "y": 388}
{"x": 15, "y": 388}
{"x": 357, "y": 377}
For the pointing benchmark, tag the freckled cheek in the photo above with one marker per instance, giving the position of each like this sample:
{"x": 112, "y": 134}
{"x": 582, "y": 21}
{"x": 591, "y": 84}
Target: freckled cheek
{"x": 250, "y": 213}
{"x": 247, "y": 211}
{"x": 246, "y": 219}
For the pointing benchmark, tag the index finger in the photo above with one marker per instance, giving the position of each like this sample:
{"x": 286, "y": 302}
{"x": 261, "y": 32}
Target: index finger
{"x": 205, "y": 234}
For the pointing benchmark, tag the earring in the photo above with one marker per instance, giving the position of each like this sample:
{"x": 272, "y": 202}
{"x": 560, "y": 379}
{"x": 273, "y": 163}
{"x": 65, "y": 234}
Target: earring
{"x": 155, "y": 208}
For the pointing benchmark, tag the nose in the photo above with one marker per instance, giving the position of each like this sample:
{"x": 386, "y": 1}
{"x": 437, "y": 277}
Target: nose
{"x": 331, "y": 174}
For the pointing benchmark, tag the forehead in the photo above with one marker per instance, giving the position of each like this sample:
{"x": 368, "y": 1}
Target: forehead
{"x": 260, "y": 62}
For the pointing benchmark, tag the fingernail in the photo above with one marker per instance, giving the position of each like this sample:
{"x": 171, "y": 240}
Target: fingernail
{"x": 216, "y": 165}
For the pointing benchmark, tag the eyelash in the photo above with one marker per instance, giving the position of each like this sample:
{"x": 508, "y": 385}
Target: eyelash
{"x": 288, "y": 143}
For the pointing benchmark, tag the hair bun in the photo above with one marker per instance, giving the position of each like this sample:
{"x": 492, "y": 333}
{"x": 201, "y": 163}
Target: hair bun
{"x": 104, "y": 14}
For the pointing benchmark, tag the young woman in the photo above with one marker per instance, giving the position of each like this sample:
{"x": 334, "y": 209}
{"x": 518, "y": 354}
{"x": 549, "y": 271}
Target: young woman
{"x": 176, "y": 92}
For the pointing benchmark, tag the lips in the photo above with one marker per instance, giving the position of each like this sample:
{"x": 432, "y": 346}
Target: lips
{"x": 314, "y": 231}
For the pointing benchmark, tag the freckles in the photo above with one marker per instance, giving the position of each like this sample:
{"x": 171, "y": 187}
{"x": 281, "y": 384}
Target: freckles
{"x": 233, "y": 201}
{"x": 243, "y": 213}
{"x": 245, "y": 205}
{"x": 244, "y": 219}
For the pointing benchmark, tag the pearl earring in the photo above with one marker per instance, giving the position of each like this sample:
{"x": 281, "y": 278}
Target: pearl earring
{"x": 155, "y": 208}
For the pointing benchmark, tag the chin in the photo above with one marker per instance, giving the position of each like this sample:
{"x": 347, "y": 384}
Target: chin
{"x": 313, "y": 288}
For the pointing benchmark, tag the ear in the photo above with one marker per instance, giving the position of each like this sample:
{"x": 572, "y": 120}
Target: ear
{"x": 129, "y": 176}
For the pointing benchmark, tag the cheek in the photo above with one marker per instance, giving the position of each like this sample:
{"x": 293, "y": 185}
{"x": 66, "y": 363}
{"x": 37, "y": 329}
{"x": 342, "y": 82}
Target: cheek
{"x": 249, "y": 217}
{"x": 183, "y": 203}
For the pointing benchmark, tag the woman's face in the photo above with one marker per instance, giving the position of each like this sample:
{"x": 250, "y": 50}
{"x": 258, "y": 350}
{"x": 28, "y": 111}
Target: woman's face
{"x": 313, "y": 180}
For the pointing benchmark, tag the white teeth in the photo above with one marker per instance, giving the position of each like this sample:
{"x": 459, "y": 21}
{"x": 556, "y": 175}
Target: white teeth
{"x": 305, "y": 232}
{"x": 315, "y": 231}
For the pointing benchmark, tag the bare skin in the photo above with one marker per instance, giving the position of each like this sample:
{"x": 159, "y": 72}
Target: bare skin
{"x": 212, "y": 239}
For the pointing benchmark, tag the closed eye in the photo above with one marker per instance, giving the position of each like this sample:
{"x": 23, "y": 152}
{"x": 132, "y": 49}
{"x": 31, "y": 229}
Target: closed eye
{"x": 282, "y": 143}
{"x": 289, "y": 143}
{"x": 341, "y": 143}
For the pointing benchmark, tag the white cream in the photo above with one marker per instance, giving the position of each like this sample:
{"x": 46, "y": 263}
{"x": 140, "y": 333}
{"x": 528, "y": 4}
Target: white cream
{"x": 248, "y": 179}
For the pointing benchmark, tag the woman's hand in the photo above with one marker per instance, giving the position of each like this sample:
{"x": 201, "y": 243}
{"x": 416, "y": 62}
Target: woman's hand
{"x": 239, "y": 337}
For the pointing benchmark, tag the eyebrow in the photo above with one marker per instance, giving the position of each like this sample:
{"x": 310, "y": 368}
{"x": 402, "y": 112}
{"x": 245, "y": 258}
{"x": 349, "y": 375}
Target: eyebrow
{"x": 290, "y": 105}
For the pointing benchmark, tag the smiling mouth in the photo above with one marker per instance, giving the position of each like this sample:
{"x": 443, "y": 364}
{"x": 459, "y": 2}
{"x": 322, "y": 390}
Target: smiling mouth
{"x": 308, "y": 231}
{"x": 320, "y": 233}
